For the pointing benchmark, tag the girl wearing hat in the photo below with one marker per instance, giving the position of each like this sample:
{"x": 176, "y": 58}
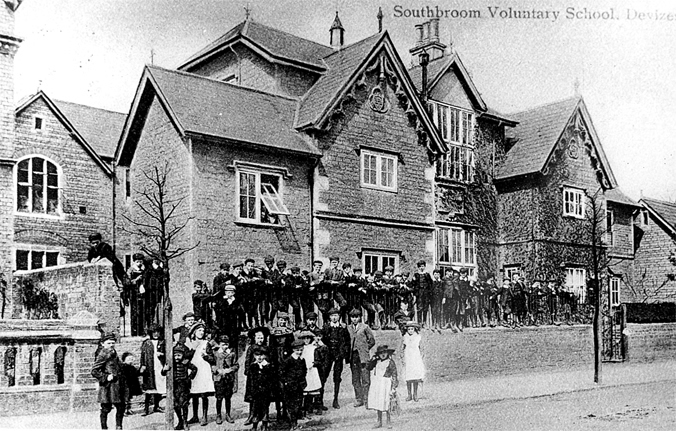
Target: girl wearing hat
{"x": 203, "y": 384}
{"x": 414, "y": 369}
{"x": 313, "y": 360}
{"x": 383, "y": 383}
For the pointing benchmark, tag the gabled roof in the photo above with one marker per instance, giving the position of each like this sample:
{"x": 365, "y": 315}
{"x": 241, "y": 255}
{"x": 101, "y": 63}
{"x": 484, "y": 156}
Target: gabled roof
{"x": 101, "y": 128}
{"x": 663, "y": 211}
{"x": 276, "y": 43}
{"x": 79, "y": 121}
{"x": 343, "y": 69}
{"x": 341, "y": 66}
{"x": 210, "y": 108}
{"x": 438, "y": 67}
{"x": 537, "y": 134}
{"x": 617, "y": 196}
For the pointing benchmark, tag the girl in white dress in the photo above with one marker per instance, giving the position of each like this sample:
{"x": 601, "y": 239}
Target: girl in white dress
{"x": 383, "y": 383}
{"x": 414, "y": 369}
{"x": 203, "y": 384}
{"x": 313, "y": 383}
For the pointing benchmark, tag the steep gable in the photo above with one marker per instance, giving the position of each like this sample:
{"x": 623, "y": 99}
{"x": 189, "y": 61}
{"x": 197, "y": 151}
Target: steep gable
{"x": 663, "y": 211}
{"x": 547, "y": 128}
{"x": 346, "y": 72}
{"x": 81, "y": 123}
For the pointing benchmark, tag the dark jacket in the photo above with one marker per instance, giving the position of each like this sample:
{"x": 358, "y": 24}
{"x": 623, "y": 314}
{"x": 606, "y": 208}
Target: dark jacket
{"x": 337, "y": 340}
{"x": 261, "y": 382}
{"x": 292, "y": 374}
{"x": 131, "y": 376}
{"x": 148, "y": 361}
{"x": 390, "y": 372}
{"x": 108, "y": 364}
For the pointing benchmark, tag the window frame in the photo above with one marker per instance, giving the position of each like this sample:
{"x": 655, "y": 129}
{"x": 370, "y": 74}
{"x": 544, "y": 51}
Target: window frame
{"x": 449, "y": 236}
{"x": 574, "y": 192}
{"x": 614, "y": 283}
{"x": 509, "y": 271}
{"x": 645, "y": 217}
{"x": 580, "y": 290}
{"x": 259, "y": 204}
{"x": 464, "y": 138}
{"x": 30, "y": 249}
{"x": 610, "y": 227}
{"x": 379, "y": 156}
{"x": 43, "y": 123}
{"x": 59, "y": 214}
{"x": 380, "y": 255}
{"x": 127, "y": 184}
{"x": 463, "y": 144}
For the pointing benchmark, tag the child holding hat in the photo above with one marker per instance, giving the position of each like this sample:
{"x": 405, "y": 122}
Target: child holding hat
{"x": 383, "y": 383}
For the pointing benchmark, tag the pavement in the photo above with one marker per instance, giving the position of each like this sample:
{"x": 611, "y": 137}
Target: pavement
{"x": 450, "y": 394}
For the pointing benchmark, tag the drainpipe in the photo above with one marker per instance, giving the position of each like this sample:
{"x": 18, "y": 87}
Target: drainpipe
{"x": 424, "y": 58}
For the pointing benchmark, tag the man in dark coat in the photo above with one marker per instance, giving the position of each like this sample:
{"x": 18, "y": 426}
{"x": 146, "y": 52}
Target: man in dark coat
{"x": 229, "y": 315}
{"x": 423, "y": 287}
{"x": 361, "y": 342}
{"x": 337, "y": 339}
{"x": 107, "y": 370}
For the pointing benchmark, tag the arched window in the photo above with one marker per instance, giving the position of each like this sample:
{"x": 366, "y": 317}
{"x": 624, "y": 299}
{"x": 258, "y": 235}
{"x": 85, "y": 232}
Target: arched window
{"x": 37, "y": 186}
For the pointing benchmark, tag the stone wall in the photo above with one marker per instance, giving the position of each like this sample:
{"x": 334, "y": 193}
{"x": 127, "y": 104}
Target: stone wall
{"x": 650, "y": 342}
{"x": 652, "y": 265}
{"x": 30, "y": 394}
{"x": 78, "y": 287}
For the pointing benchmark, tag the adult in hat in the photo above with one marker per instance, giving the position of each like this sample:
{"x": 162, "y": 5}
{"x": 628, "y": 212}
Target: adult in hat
{"x": 107, "y": 370}
{"x": 152, "y": 361}
{"x": 337, "y": 340}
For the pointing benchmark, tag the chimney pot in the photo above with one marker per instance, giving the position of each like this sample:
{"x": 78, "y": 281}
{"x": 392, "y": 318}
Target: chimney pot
{"x": 435, "y": 29}
{"x": 419, "y": 32}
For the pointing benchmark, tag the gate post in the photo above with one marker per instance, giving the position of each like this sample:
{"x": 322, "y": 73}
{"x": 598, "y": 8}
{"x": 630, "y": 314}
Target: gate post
{"x": 624, "y": 337}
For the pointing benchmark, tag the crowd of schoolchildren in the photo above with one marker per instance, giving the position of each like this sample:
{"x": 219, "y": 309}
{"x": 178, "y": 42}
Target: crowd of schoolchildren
{"x": 292, "y": 349}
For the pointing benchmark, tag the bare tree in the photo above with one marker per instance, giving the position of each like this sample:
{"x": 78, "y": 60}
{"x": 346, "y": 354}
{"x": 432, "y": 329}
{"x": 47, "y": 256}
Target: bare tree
{"x": 160, "y": 227}
{"x": 646, "y": 288}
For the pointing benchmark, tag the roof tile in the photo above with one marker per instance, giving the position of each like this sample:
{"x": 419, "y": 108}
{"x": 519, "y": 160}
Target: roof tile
{"x": 666, "y": 210}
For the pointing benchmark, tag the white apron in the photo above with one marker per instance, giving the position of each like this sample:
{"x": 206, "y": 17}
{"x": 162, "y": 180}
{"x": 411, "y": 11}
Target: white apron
{"x": 160, "y": 380}
{"x": 379, "y": 391}
{"x": 314, "y": 384}
{"x": 203, "y": 382}
{"x": 414, "y": 369}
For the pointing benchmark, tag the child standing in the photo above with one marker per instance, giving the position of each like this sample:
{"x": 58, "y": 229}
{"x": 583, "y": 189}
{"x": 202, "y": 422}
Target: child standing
{"x": 224, "y": 370}
{"x": 131, "y": 376}
{"x": 258, "y": 337}
{"x": 184, "y": 372}
{"x": 414, "y": 369}
{"x": 203, "y": 385}
{"x": 152, "y": 362}
{"x": 107, "y": 369}
{"x": 313, "y": 382}
{"x": 261, "y": 380}
{"x": 383, "y": 383}
{"x": 292, "y": 375}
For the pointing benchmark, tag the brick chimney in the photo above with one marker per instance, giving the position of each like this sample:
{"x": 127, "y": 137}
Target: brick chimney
{"x": 428, "y": 40}
{"x": 337, "y": 33}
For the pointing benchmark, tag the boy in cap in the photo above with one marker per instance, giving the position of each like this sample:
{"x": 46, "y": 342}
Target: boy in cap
{"x": 292, "y": 375}
{"x": 107, "y": 369}
{"x": 297, "y": 292}
{"x": 268, "y": 290}
{"x": 224, "y": 371}
{"x": 361, "y": 342}
{"x": 229, "y": 314}
{"x": 422, "y": 286}
{"x": 262, "y": 378}
{"x": 223, "y": 276}
{"x": 200, "y": 302}
{"x": 337, "y": 340}
{"x": 281, "y": 339}
{"x": 182, "y": 331}
{"x": 184, "y": 372}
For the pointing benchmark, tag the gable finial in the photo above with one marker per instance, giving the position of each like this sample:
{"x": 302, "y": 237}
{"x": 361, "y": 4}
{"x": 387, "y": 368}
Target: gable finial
{"x": 576, "y": 87}
{"x": 247, "y": 11}
{"x": 39, "y": 86}
{"x": 450, "y": 41}
{"x": 380, "y": 19}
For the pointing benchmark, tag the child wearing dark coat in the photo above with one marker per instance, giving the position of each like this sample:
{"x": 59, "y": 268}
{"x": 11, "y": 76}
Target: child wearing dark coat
{"x": 107, "y": 370}
{"x": 292, "y": 374}
{"x": 224, "y": 371}
{"x": 184, "y": 372}
{"x": 261, "y": 385}
{"x": 131, "y": 376}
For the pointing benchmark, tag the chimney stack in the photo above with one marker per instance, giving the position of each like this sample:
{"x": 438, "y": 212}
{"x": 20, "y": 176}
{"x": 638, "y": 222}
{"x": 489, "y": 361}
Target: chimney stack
{"x": 428, "y": 40}
{"x": 337, "y": 33}
{"x": 424, "y": 59}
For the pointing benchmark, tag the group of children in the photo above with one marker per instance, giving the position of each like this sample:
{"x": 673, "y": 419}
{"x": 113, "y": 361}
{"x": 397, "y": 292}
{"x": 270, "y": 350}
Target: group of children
{"x": 283, "y": 366}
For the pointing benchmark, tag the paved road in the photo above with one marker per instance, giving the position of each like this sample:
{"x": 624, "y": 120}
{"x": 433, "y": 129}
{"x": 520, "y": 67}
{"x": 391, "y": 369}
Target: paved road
{"x": 645, "y": 406}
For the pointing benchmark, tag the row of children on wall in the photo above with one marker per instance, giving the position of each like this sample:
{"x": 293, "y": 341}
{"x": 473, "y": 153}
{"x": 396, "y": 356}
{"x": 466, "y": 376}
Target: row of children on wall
{"x": 453, "y": 301}
{"x": 282, "y": 366}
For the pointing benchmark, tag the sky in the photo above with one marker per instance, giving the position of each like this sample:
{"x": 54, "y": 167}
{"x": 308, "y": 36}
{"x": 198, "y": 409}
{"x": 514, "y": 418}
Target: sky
{"x": 93, "y": 52}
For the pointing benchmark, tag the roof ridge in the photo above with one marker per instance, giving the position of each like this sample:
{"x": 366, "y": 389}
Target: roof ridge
{"x": 352, "y": 45}
{"x": 286, "y": 32}
{"x": 89, "y": 106}
{"x": 538, "y": 107}
{"x": 237, "y": 86}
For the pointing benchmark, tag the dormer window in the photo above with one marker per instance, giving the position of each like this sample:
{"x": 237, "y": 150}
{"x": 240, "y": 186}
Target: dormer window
{"x": 456, "y": 127}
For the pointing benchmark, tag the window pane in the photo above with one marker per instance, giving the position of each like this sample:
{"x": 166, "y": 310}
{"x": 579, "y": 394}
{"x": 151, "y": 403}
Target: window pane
{"x": 52, "y": 258}
{"x": 442, "y": 245}
{"x": 247, "y": 195}
{"x": 455, "y": 125}
{"x": 370, "y": 169}
{"x": 22, "y": 198}
{"x": 22, "y": 176}
{"x": 388, "y": 261}
{"x": 456, "y": 246}
{"x": 387, "y": 174}
{"x": 370, "y": 264}
{"x": 36, "y": 259}
{"x": 22, "y": 260}
{"x": 52, "y": 177}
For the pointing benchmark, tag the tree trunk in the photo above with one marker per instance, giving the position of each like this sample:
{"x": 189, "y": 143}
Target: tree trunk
{"x": 169, "y": 352}
{"x": 598, "y": 330}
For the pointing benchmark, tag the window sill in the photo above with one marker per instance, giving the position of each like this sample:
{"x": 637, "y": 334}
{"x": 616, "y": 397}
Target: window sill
{"x": 40, "y": 215}
{"x": 379, "y": 188}
{"x": 574, "y": 216}
{"x": 251, "y": 223}
{"x": 451, "y": 182}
